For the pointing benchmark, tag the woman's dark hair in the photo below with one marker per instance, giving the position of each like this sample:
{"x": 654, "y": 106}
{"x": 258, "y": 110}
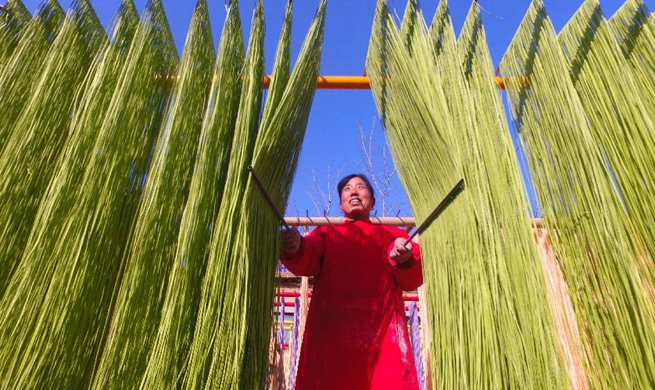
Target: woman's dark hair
{"x": 345, "y": 180}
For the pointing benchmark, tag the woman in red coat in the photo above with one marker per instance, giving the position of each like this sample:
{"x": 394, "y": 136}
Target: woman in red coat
{"x": 356, "y": 333}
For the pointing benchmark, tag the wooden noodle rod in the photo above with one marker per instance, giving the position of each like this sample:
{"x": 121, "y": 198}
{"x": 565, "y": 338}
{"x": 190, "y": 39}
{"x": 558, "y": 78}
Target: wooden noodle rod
{"x": 408, "y": 222}
{"x": 355, "y": 82}
{"x": 324, "y": 221}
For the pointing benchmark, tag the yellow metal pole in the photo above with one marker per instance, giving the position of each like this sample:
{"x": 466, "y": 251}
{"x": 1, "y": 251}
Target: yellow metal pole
{"x": 354, "y": 82}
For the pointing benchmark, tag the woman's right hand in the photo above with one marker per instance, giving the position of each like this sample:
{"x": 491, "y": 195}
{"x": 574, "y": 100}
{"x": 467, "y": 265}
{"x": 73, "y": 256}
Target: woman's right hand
{"x": 290, "y": 241}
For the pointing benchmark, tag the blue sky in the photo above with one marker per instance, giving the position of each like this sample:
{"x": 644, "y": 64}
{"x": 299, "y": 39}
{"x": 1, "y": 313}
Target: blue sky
{"x": 332, "y": 139}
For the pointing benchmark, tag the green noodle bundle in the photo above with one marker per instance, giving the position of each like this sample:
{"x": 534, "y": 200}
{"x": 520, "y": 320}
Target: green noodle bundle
{"x": 490, "y": 320}
{"x": 275, "y": 157}
{"x": 17, "y": 82}
{"x": 55, "y": 323}
{"x": 23, "y": 69}
{"x": 621, "y": 122}
{"x": 36, "y": 138}
{"x": 230, "y": 346}
{"x": 581, "y": 205}
{"x": 199, "y": 370}
{"x": 13, "y": 22}
{"x": 148, "y": 259}
{"x": 167, "y": 360}
{"x": 513, "y": 268}
{"x": 634, "y": 28}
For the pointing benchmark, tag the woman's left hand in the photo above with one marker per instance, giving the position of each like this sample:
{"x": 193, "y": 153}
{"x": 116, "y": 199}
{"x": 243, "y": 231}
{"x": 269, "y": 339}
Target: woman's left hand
{"x": 401, "y": 253}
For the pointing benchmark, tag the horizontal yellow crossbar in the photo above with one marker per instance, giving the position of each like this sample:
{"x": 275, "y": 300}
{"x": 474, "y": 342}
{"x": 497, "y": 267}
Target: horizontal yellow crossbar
{"x": 356, "y": 82}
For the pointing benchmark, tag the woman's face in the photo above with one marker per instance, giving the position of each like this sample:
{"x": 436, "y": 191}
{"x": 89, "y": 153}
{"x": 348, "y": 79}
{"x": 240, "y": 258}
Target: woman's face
{"x": 356, "y": 200}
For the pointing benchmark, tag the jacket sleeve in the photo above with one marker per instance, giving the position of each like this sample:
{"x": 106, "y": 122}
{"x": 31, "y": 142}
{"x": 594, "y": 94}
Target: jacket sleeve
{"x": 307, "y": 261}
{"x": 408, "y": 275}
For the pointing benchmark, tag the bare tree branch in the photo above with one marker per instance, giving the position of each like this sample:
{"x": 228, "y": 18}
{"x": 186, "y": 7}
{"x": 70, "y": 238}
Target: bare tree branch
{"x": 322, "y": 196}
{"x": 376, "y": 163}
{"x": 381, "y": 179}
